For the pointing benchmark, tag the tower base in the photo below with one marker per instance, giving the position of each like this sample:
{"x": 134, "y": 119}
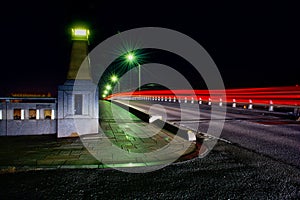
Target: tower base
{"x": 77, "y": 108}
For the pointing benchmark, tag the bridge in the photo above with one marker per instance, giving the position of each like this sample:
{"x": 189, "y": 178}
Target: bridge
{"x": 269, "y": 129}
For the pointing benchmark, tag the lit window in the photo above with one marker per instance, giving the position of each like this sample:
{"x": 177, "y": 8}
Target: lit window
{"x": 0, "y": 114}
{"x": 18, "y": 114}
{"x": 32, "y": 113}
{"x": 47, "y": 114}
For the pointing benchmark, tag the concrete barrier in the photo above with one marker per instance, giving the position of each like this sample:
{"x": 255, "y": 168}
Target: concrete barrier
{"x": 233, "y": 103}
{"x": 158, "y": 121}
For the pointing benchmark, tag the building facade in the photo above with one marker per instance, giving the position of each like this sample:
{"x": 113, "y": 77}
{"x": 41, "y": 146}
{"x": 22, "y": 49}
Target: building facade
{"x": 28, "y": 116}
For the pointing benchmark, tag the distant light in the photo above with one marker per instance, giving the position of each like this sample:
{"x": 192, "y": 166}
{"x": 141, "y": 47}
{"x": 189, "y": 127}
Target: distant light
{"x": 105, "y": 92}
{"x": 114, "y": 78}
{"x": 103, "y": 95}
{"x": 108, "y": 87}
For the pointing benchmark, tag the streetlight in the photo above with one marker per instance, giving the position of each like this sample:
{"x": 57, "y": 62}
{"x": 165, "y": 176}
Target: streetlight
{"x": 106, "y": 91}
{"x": 108, "y": 87}
{"x": 114, "y": 79}
{"x": 131, "y": 58}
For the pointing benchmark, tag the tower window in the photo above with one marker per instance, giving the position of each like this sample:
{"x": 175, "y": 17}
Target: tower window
{"x": 78, "y": 104}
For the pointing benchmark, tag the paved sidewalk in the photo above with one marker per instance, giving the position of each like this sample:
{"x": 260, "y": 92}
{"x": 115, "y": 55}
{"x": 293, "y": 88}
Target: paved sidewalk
{"x": 126, "y": 141}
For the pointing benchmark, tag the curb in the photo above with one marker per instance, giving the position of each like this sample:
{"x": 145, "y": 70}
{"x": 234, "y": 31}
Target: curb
{"x": 180, "y": 131}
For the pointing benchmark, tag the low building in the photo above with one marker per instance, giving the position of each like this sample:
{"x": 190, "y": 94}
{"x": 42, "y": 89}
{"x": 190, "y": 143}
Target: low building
{"x": 28, "y": 116}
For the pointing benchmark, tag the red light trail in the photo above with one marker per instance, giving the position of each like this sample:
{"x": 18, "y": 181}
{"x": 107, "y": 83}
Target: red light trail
{"x": 284, "y": 95}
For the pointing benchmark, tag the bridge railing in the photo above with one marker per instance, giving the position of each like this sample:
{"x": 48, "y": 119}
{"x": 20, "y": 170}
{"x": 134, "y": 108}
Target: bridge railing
{"x": 285, "y": 99}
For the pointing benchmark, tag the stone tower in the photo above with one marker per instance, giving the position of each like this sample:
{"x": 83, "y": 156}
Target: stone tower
{"x": 78, "y": 97}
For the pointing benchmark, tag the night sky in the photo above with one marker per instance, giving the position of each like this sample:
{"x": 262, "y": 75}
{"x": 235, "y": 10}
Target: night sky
{"x": 252, "y": 44}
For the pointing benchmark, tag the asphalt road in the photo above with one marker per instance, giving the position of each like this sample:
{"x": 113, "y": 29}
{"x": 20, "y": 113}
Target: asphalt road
{"x": 227, "y": 172}
{"x": 262, "y": 132}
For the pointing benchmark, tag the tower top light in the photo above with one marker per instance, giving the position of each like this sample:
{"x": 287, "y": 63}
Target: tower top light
{"x": 80, "y": 34}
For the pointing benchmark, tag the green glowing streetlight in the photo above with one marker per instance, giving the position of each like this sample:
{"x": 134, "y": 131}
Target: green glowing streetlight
{"x": 114, "y": 78}
{"x": 105, "y": 92}
{"x": 131, "y": 58}
{"x": 108, "y": 87}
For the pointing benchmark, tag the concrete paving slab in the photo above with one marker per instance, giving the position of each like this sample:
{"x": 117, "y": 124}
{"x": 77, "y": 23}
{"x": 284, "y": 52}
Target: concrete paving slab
{"x": 49, "y": 152}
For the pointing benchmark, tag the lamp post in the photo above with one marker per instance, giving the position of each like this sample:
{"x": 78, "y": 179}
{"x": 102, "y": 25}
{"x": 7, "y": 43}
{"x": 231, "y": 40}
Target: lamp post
{"x": 114, "y": 79}
{"x": 139, "y": 68}
{"x": 131, "y": 58}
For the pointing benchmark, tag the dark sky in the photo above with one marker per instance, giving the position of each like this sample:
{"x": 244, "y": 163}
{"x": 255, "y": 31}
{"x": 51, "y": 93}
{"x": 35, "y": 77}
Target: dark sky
{"x": 252, "y": 44}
